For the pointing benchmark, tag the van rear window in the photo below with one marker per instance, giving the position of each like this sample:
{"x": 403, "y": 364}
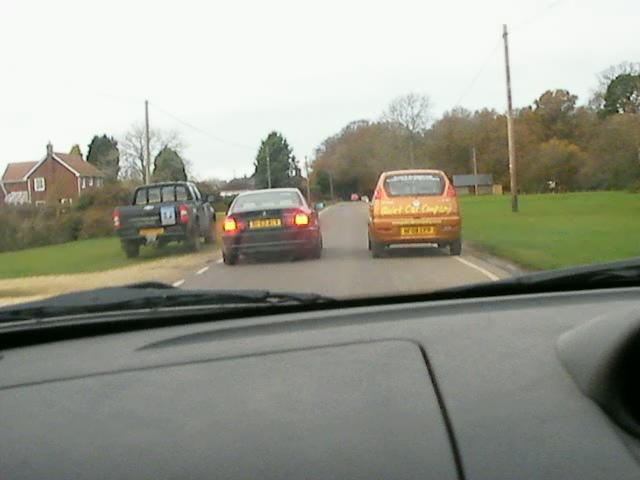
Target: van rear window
{"x": 414, "y": 184}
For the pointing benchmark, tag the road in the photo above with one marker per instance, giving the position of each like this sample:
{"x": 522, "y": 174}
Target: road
{"x": 346, "y": 268}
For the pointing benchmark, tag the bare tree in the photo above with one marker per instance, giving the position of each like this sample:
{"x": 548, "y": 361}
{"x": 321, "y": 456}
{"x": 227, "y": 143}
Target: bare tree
{"x": 411, "y": 114}
{"x": 132, "y": 146}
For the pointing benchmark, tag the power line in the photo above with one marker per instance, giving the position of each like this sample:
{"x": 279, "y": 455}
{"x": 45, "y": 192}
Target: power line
{"x": 479, "y": 72}
{"x": 199, "y": 130}
{"x": 542, "y": 12}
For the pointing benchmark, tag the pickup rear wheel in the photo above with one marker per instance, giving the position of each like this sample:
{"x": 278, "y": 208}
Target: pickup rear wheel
{"x": 455, "y": 248}
{"x": 195, "y": 243}
{"x": 210, "y": 234}
{"x": 132, "y": 250}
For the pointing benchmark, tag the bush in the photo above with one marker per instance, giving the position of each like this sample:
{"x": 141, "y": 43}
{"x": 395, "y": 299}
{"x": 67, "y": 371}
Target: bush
{"x": 634, "y": 187}
{"x": 96, "y": 222}
{"x": 111, "y": 195}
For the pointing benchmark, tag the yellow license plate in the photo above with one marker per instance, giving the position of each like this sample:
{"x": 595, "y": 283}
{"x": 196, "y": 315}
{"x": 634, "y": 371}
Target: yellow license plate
{"x": 417, "y": 230}
{"x": 150, "y": 232}
{"x": 266, "y": 223}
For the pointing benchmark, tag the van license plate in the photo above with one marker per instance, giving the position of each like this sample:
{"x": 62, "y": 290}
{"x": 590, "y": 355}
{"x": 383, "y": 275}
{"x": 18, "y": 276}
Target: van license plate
{"x": 408, "y": 231}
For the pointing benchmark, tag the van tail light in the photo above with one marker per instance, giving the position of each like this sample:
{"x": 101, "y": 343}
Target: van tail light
{"x": 116, "y": 219}
{"x": 230, "y": 225}
{"x": 451, "y": 191}
{"x": 183, "y": 213}
{"x": 301, "y": 219}
{"x": 379, "y": 194}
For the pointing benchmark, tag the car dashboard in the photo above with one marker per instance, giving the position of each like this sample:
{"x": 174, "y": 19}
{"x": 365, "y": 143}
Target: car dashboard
{"x": 496, "y": 388}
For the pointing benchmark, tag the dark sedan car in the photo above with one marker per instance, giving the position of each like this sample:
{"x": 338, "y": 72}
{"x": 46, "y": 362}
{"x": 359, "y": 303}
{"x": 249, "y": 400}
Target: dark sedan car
{"x": 271, "y": 221}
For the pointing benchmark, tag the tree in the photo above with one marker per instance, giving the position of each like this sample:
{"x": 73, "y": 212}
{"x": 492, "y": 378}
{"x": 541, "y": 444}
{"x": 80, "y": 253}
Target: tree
{"x": 75, "y": 150}
{"x": 605, "y": 78}
{"x": 411, "y": 114}
{"x": 275, "y": 161}
{"x": 133, "y": 148}
{"x": 622, "y": 95}
{"x": 168, "y": 166}
{"x": 554, "y": 111}
{"x": 104, "y": 155}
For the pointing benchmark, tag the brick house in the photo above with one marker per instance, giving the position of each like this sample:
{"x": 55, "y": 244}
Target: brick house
{"x": 57, "y": 178}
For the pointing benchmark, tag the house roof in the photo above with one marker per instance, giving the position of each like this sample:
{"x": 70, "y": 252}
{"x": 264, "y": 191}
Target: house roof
{"x": 238, "y": 184}
{"x": 15, "y": 172}
{"x": 81, "y": 166}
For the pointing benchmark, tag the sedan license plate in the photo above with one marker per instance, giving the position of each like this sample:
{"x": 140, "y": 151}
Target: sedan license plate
{"x": 266, "y": 223}
{"x": 167, "y": 215}
{"x": 151, "y": 232}
{"x": 408, "y": 231}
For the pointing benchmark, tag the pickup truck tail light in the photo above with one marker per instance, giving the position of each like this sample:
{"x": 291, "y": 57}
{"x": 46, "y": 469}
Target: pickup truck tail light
{"x": 183, "y": 213}
{"x": 116, "y": 219}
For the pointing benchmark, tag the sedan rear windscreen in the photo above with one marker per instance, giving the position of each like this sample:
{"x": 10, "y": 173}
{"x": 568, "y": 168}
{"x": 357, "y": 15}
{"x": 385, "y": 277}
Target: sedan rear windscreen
{"x": 265, "y": 200}
{"x": 414, "y": 184}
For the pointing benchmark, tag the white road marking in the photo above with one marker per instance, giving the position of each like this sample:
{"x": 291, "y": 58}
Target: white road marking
{"x": 178, "y": 283}
{"x": 202, "y": 270}
{"x": 218, "y": 261}
{"x": 487, "y": 273}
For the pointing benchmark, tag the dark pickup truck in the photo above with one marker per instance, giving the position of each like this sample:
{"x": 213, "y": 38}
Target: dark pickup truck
{"x": 165, "y": 212}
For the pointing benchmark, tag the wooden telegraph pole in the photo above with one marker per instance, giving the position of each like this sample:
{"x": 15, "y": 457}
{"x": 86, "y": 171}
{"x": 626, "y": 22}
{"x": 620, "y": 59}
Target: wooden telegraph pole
{"x": 510, "y": 134}
{"x": 147, "y": 166}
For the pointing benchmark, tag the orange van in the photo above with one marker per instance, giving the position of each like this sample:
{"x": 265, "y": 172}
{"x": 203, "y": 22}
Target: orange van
{"x": 412, "y": 207}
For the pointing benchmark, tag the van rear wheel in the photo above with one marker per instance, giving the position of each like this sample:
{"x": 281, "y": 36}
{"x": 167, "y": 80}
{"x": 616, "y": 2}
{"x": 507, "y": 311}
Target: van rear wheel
{"x": 455, "y": 248}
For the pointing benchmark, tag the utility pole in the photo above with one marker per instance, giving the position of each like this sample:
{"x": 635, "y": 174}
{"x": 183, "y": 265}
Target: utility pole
{"x": 475, "y": 169}
{"x": 306, "y": 166}
{"x": 513, "y": 178}
{"x": 147, "y": 166}
{"x": 268, "y": 168}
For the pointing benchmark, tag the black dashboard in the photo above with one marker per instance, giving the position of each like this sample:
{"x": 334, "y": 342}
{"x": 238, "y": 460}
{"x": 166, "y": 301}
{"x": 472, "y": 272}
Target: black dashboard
{"x": 499, "y": 388}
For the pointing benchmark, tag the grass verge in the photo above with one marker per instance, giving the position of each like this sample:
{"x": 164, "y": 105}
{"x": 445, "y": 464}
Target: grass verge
{"x": 555, "y": 231}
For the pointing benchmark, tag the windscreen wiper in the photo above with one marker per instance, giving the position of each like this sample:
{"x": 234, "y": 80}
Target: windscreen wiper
{"x": 150, "y": 295}
{"x": 625, "y": 273}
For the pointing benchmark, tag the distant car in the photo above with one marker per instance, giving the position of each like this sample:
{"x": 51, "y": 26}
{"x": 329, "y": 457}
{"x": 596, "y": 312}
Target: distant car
{"x": 165, "y": 212}
{"x": 278, "y": 220}
{"x": 413, "y": 207}
{"x": 355, "y": 197}
{"x": 364, "y": 198}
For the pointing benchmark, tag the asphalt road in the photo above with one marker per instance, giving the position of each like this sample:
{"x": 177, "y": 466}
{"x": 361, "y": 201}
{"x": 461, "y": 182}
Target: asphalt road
{"x": 346, "y": 268}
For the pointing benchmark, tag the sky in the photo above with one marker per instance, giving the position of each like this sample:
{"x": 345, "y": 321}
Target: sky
{"x": 225, "y": 74}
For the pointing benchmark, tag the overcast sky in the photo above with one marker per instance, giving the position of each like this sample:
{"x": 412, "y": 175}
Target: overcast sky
{"x": 238, "y": 69}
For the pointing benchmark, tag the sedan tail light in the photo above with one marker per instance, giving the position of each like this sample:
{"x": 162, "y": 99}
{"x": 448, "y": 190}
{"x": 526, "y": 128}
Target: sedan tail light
{"x": 116, "y": 219}
{"x": 301, "y": 219}
{"x": 183, "y": 211}
{"x": 230, "y": 224}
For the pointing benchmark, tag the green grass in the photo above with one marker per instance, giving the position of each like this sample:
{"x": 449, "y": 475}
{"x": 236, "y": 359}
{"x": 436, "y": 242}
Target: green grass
{"x": 555, "y": 231}
{"x": 77, "y": 257}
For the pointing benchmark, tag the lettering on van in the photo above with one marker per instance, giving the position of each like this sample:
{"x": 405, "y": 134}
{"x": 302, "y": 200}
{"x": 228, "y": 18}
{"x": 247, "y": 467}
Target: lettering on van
{"x": 411, "y": 210}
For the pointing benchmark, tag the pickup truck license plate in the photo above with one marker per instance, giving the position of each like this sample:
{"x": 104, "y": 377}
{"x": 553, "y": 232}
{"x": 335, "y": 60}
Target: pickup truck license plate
{"x": 167, "y": 215}
{"x": 266, "y": 223}
{"x": 151, "y": 232}
{"x": 417, "y": 231}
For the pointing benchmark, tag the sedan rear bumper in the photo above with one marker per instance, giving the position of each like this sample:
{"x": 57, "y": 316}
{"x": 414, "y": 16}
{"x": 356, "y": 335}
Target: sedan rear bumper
{"x": 390, "y": 231}
{"x": 298, "y": 240}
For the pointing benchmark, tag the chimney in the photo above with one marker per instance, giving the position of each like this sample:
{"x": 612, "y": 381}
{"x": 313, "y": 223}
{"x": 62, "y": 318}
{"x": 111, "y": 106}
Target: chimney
{"x": 49, "y": 149}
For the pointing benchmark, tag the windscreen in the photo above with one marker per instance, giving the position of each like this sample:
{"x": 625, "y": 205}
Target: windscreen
{"x": 414, "y": 185}
{"x": 266, "y": 200}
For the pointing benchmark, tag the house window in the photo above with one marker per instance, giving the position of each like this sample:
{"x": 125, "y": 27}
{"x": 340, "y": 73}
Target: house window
{"x": 91, "y": 181}
{"x": 84, "y": 182}
{"x": 99, "y": 182}
{"x": 40, "y": 203}
{"x": 66, "y": 201}
{"x": 39, "y": 184}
